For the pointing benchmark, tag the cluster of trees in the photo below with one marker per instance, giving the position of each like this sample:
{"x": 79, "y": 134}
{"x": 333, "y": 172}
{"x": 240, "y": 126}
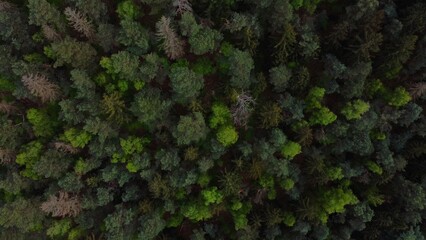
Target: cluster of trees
{"x": 212, "y": 119}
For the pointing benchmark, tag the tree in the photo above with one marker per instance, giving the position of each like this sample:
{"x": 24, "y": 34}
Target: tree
{"x": 41, "y": 87}
{"x": 150, "y": 107}
{"x": 114, "y": 107}
{"x": 122, "y": 66}
{"x": 44, "y": 125}
{"x": 77, "y": 138}
{"x": 227, "y": 135}
{"x": 280, "y": 77}
{"x": 242, "y": 109}
{"x": 211, "y": 196}
{"x": 190, "y": 129}
{"x": 202, "y": 39}
{"x": 41, "y": 13}
{"x": 62, "y": 205}
{"x": 172, "y": 44}
{"x": 70, "y": 51}
{"x": 182, "y": 6}
{"x": 354, "y": 109}
{"x": 134, "y": 35}
{"x": 168, "y": 158}
{"x": 221, "y": 115}
{"x": 79, "y": 22}
{"x": 186, "y": 84}
{"x": 399, "y": 97}
{"x": 128, "y": 10}
{"x": 22, "y": 214}
{"x": 291, "y": 149}
{"x": 28, "y": 156}
{"x": 240, "y": 66}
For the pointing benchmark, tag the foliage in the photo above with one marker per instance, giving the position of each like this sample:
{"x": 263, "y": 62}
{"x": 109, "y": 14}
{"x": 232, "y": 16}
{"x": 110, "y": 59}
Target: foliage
{"x": 186, "y": 84}
{"x": 212, "y": 196}
{"x": 78, "y": 139}
{"x": 191, "y": 129}
{"x": 354, "y": 110}
{"x": 227, "y": 135}
{"x": 212, "y": 119}
{"x": 291, "y": 149}
{"x": 150, "y": 107}
{"x": 43, "y": 124}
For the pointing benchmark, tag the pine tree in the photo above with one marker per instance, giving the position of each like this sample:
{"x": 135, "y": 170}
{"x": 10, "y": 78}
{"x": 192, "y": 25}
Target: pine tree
{"x": 172, "y": 44}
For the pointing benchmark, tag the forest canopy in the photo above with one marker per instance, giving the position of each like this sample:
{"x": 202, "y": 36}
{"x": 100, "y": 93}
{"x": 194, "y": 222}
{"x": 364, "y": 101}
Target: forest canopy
{"x": 212, "y": 119}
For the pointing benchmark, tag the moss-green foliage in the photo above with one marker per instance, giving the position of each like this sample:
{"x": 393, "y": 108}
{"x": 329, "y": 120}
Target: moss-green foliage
{"x": 221, "y": 115}
{"x": 59, "y": 228}
{"x": 291, "y": 149}
{"x": 227, "y": 135}
{"x": 28, "y": 156}
{"x": 354, "y": 110}
{"x": 334, "y": 201}
{"x": 212, "y": 196}
{"x": 398, "y": 97}
{"x": 128, "y": 10}
{"x": 78, "y": 139}
{"x": 196, "y": 211}
{"x": 44, "y": 125}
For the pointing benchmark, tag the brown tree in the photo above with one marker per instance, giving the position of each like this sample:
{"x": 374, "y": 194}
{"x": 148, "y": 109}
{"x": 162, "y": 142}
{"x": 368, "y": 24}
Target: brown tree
{"x": 182, "y": 6}
{"x": 50, "y": 33}
{"x": 7, "y": 156}
{"x": 41, "y": 87}
{"x": 65, "y": 147}
{"x": 7, "y": 108}
{"x": 62, "y": 205}
{"x": 79, "y": 22}
{"x": 172, "y": 44}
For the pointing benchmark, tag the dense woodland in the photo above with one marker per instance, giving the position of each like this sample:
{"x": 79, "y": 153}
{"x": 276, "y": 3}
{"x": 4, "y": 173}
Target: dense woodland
{"x": 212, "y": 119}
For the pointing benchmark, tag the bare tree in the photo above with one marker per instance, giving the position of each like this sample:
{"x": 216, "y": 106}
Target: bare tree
{"x": 62, "y": 205}
{"x": 50, "y": 33}
{"x": 79, "y": 22}
{"x": 242, "y": 109}
{"x": 7, "y": 108}
{"x": 172, "y": 44}
{"x": 7, "y": 156}
{"x": 41, "y": 87}
{"x": 5, "y": 5}
{"x": 182, "y": 6}
{"x": 65, "y": 147}
{"x": 418, "y": 89}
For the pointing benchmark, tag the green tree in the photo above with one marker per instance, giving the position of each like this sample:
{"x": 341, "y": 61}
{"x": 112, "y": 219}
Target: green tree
{"x": 150, "y": 107}
{"x": 41, "y": 12}
{"x": 22, "y": 214}
{"x": 221, "y": 115}
{"x": 240, "y": 66}
{"x": 202, "y": 39}
{"x": 280, "y": 77}
{"x": 190, "y": 129}
{"x": 399, "y": 97}
{"x": 77, "y": 138}
{"x": 28, "y": 156}
{"x": 128, "y": 10}
{"x": 354, "y": 109}
{"x": 212, "y": 196}
{"x": 72, "y": 52}
{"x": 44, "y": 125}
{"x": 186, "y": 84}
{"x": 227, "y": 135}
{"x": 291, "y": 149}
{"x": 134, "y": 35}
